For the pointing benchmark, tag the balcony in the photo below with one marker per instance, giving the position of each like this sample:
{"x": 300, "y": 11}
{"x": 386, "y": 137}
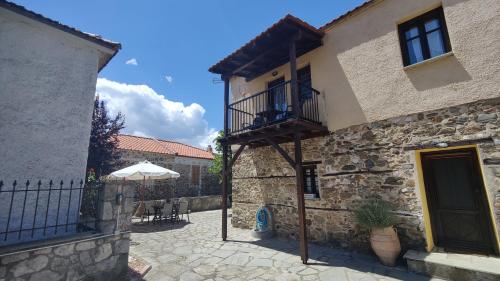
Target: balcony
{"x": 270, "y": 114}
{"x": 286, "y": 112}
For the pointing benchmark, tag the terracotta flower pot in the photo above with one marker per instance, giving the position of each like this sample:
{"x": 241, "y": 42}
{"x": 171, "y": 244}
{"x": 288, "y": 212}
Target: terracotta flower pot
{"x": 385, "y": 244}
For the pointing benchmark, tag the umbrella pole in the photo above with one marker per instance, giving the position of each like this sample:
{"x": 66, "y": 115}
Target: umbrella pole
{"x": 143, "y": 188}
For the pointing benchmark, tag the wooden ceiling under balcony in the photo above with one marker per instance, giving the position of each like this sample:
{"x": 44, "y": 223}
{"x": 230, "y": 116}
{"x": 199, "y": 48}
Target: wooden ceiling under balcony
{"x": 270, "y": 49}
{"x": 278, "y": 133}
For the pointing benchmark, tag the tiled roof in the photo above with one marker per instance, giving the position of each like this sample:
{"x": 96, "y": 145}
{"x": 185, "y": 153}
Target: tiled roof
{"x": 136, "y": 143}
{"x": 97, "y": 39}
{"x": 265, "y": 35}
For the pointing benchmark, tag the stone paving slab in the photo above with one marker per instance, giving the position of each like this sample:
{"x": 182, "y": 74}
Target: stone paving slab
{"x": 195, "y": 251}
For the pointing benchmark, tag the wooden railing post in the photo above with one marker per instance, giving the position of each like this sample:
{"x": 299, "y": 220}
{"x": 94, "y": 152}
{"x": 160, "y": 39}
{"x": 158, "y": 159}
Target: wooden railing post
{"x": 225, "y": 170}
{"x": 293, "y": 81}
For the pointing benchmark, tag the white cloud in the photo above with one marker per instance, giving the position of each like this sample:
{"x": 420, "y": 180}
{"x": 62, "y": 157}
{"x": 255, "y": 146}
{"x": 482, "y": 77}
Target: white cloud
{"x": 132, "y": 61}
{"x": 148, "y": 113}
{"x": 169, "y": 78}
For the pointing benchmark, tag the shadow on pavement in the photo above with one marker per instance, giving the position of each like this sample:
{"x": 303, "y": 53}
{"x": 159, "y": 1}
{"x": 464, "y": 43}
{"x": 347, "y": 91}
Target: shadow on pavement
{"x": 148, "y": 227}
{"x": 335, "y": 257}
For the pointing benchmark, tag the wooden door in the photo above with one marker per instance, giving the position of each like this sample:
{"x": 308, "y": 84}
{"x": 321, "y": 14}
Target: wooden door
{"x": 277, "y": 98}
{"x": 457, "y": 201}
{"x": 305, "y": 83}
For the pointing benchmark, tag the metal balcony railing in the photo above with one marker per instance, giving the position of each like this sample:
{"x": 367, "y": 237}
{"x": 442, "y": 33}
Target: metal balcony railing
{"x": 272, "y": 106}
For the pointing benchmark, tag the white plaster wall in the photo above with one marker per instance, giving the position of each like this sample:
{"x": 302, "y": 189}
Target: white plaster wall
{"x": 360, "y": 73}
{"x": 47, "y": 87}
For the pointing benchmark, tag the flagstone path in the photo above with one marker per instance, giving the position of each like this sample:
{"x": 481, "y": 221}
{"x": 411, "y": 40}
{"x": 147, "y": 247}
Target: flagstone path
{"x": 195, "y": 251}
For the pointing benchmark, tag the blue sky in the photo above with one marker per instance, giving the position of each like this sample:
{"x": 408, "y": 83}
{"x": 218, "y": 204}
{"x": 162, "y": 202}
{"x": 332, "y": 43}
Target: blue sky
{"x": 181, "y": 40}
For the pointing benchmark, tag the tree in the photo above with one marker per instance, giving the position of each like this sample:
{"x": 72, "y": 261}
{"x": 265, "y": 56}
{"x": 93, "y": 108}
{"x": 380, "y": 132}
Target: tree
{"x": 216, "y": 168}
{"x": 103, "y": 147}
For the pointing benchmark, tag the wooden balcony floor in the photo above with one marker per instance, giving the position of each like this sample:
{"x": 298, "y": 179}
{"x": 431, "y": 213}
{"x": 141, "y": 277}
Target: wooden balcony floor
{"x": 281, "y": 132}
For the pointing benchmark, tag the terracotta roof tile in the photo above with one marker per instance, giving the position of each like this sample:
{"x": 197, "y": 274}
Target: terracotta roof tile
{"x": 136, "y": 143}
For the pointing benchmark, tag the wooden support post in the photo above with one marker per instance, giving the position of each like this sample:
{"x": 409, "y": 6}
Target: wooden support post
{"x": 293, "y": 81}
{"x": 300, "y": 198}
{"x": 225, "y": 171}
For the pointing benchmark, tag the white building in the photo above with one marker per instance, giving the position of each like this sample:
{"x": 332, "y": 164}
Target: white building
{"x": 48, "y": 75}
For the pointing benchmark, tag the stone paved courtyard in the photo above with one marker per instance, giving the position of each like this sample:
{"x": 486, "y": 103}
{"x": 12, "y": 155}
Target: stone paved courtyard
{"x": 195, "y": 251}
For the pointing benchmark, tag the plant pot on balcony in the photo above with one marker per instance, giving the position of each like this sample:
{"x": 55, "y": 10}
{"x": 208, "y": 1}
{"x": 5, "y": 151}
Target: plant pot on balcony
{"x": 385, "y": 244}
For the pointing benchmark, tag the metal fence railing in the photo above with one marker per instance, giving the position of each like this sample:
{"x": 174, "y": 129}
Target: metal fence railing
{"x": 272, "y": 106}
{"x": 41, "y": 210}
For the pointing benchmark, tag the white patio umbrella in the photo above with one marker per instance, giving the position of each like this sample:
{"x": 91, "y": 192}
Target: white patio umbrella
{"x": 143, "y": 170}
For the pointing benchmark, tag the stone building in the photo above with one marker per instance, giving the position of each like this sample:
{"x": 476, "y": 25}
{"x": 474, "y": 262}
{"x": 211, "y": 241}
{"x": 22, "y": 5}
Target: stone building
{"x": 190, "y": 162}
{"x": 397, "y": 100}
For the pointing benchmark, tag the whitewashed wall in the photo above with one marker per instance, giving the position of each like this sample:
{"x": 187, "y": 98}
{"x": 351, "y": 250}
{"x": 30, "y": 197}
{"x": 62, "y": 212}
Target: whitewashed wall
{"x": 47, "y": 87}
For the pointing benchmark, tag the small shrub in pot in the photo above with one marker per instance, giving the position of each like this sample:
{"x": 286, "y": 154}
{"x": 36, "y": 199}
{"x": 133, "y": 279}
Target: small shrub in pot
{"x": 376, "y": 215}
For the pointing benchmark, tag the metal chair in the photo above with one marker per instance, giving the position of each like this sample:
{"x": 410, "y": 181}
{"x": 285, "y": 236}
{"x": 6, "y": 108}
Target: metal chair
{"x": 258, "y": 122}
{"x": 184, "y": 209}
{"x": 148, "y": 207}
{"x": 168, "y": 212}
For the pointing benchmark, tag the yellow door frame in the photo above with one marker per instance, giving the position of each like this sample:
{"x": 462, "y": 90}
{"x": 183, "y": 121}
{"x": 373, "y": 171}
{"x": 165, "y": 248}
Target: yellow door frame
{"x": 429, "y": 238}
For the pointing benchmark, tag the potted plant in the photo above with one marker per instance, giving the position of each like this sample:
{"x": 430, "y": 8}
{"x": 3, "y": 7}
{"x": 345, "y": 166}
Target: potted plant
{"x": 376, "y": 216}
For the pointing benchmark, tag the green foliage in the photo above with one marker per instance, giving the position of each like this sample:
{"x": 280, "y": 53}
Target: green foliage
{"x": 91, "y": 177}
{"x": 216, "y": 168}
{"x": 103, "y": 153}
{"x": 375, "y": 213}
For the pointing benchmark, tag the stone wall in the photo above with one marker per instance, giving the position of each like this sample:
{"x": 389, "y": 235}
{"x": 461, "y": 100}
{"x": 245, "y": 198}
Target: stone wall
{"x": 375, "y": 160}
{"x": 86, "y": 256}
{"x": 179, "y": 187}
{"x": 204, "y": 203}
{"x": 95, "y": 258}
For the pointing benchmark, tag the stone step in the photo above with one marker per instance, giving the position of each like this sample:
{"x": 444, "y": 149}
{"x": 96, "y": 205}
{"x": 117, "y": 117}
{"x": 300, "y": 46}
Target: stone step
{"x": 452, "y": 266}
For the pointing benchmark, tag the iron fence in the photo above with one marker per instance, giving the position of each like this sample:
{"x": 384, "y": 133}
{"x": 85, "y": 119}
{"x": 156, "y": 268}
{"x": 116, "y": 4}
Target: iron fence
{"x": 35, "y": 211}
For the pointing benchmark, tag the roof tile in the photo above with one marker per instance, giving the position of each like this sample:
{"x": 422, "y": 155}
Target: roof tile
{"x": 136, "y": 143}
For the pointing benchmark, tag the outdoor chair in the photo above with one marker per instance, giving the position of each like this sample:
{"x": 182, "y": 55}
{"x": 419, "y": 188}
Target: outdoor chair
{"x": 168, "y": 211}
{"x": 148, "y": 209}
{"x": 258, "y": 122}
{"x": 183, "y": 209}
{"x": 157, "y": 209}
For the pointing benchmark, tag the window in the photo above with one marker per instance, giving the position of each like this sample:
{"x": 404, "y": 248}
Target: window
{"x": 195, "y": 174}
{"x": 424, "y": 37}
{"x": 311, "y": 180}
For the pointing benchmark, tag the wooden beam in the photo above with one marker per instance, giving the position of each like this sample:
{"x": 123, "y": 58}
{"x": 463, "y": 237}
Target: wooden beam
{"x": 255, "y": 135}
{"x": 293, "y": 80}
{"x": 282, "y": 152}
{"x": 236, "y": 155}
{"x": 257, "y": 58}
{"x": 299, "y": 176}
{"x": 225, "y": 171}
{"x": 309, "y": 131}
